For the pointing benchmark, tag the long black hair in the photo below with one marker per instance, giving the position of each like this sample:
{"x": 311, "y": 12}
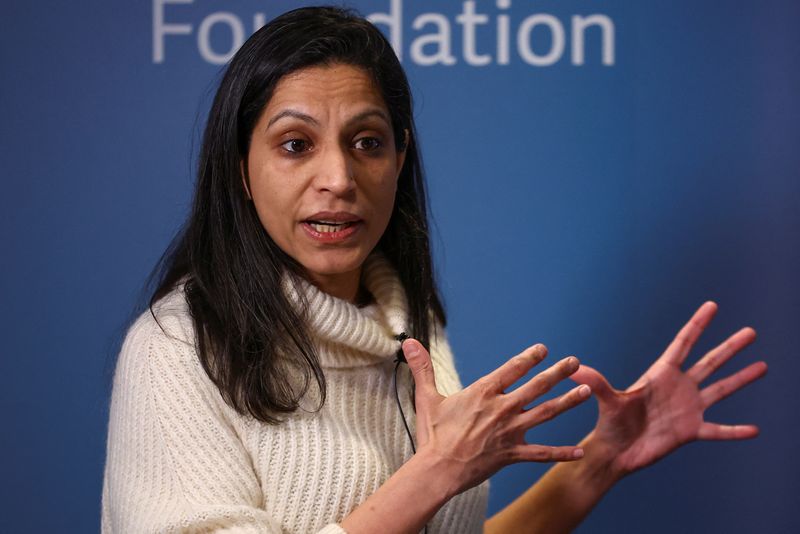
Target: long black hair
{"x": 249, "y": 337}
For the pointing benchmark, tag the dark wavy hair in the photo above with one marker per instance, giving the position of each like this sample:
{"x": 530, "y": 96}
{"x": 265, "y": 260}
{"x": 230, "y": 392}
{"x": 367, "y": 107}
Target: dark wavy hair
{"x": 251, "y": 341}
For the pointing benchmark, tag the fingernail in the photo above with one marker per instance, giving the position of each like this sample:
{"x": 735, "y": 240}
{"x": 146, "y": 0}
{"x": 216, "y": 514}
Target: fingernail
{"x": 410, "y": 348}
{"x": 578, "y": 453}
{"x": 584, "y": 391}
{"x": 537, "y": 352}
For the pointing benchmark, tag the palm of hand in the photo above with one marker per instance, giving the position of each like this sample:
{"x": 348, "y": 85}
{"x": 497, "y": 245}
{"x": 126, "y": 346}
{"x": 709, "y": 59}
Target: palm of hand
{"x": 664, "y": 408}
{"x": 648, "y": 421}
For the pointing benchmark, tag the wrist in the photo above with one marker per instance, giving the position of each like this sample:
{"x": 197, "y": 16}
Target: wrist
{"x": 599, "y": 464}
{"x": 563, "y": 497}
{"x": 411, "y": 497}
{"x": 440, "y": 475}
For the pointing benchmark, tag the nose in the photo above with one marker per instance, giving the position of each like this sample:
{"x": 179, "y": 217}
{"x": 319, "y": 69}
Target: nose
{"x": 335, "y": 172}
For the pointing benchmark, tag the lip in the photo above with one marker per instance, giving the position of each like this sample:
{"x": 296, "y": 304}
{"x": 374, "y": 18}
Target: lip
{"x": 339, "y": 217}
{"x": 339, "y": 236}
{"x": 333, "y": 216}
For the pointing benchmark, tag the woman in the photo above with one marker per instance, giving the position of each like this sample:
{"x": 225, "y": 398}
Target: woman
{"x": 259, "y": 394}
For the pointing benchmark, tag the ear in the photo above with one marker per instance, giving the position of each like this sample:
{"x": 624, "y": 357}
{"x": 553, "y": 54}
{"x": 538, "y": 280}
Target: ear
{"x": 244, "y": 180}
{"x": 401, "y": 152}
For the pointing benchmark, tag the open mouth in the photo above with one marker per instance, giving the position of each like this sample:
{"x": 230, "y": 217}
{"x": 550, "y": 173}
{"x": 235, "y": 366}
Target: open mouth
{"x": 329, "y": 227}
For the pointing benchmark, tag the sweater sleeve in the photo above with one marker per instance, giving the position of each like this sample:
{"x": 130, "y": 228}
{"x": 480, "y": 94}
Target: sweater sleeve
{"x": 175, "y": 462}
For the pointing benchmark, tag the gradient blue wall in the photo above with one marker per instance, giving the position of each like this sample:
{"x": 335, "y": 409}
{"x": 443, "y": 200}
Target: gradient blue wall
{"x": 590, "y": 207}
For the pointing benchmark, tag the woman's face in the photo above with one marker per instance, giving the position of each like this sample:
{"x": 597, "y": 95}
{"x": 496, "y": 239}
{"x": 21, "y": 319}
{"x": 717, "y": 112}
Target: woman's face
{"x": 323, "y": 172}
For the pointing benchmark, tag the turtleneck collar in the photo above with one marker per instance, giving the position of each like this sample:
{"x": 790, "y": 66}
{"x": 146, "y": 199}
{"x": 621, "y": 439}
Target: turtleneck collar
{"x": 349, "y": 336}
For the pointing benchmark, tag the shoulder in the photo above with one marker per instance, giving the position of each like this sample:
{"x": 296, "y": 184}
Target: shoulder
{"x": 159, "y": 368}
{"x": 168, "y": 319}
{"x": 161, "y": 340}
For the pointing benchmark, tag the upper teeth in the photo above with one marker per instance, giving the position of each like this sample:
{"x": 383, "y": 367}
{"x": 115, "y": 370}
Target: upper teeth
{"x": 324, "y": 227}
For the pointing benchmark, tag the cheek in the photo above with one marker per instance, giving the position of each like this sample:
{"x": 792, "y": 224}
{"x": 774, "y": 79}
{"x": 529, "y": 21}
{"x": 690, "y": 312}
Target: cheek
{"x": 383, "y": 201}
{"x": 276, "y": 205}
{"x": 390, "y": 196}
{"x": 384, "y": 189}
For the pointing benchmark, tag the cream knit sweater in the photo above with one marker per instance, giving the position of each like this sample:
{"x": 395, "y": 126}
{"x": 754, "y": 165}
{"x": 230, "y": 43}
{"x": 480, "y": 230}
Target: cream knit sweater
{"x": 180, "y": 459}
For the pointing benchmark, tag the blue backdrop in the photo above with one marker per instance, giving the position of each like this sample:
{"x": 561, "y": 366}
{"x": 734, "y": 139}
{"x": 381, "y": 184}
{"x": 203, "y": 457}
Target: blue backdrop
{"x": 593, "y": 179}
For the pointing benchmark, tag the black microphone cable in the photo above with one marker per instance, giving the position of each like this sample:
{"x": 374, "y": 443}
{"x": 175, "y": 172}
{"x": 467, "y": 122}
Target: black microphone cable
{"x": 401, "y": 358}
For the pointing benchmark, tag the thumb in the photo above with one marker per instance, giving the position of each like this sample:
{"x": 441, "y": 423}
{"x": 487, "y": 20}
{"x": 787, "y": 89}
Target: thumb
{"x": 592, "y": 378}
{"x": 419, "y": 361}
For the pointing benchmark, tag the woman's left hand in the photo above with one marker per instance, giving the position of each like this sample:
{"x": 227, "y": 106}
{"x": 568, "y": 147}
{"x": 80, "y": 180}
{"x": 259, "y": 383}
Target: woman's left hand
{"x": 664, "y": 408}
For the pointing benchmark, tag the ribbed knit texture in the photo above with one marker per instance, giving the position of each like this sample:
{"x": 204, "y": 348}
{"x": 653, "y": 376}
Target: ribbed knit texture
{"x": 180, "y": 459}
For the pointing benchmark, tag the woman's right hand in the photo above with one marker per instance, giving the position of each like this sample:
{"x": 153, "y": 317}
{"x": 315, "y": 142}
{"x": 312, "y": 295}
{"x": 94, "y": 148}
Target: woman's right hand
{"x": 477, "y": 431}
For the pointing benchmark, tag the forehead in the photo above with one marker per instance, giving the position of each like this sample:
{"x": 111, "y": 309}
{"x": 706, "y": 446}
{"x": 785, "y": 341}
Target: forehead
{"x": 325, "y": 88}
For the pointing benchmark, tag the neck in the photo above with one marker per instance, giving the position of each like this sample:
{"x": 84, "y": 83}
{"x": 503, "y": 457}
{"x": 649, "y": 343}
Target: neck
{"x": 345, "y": 286}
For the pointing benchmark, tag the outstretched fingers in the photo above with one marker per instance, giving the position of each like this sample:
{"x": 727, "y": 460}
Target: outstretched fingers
{"x": 544, "y": 453}
{"x": 717, "y": 357}
{"x": 515, "y": 368}
{"x": 553, "y": 407}
{"x": 543, "y": 382}
{"x": 714, "y": 431}
{"x": 722, "y": 388}
{"x": 687, "y": 336}
{"x": 595, "y": 380}
{"x": 419, "y": 361}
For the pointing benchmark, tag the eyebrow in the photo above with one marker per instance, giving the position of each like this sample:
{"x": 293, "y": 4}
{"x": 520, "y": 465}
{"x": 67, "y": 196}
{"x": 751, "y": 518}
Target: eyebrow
{"x": 370, "y": 113}
{"x": 292, "y": 113}
{"x": 311, "y": 120}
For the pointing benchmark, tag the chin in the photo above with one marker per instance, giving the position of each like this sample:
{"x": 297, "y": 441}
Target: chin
{"x": 333, "y": 263}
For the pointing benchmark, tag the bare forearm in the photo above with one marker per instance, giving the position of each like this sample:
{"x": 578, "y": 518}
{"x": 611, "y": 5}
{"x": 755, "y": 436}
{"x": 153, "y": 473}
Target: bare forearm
{"x": 562, "y": 498}
{"x": 406, "y": 501}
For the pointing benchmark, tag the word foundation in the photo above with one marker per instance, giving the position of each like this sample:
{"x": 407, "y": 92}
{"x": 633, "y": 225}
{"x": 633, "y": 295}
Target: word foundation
{"x": 486, "y": 39}
{"x": 435, "y": 47}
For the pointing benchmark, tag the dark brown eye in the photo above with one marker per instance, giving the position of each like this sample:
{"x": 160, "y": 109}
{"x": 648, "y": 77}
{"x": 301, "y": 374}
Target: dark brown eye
{"x": 296, "y": 146}
{"x": 368, "y": 143}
